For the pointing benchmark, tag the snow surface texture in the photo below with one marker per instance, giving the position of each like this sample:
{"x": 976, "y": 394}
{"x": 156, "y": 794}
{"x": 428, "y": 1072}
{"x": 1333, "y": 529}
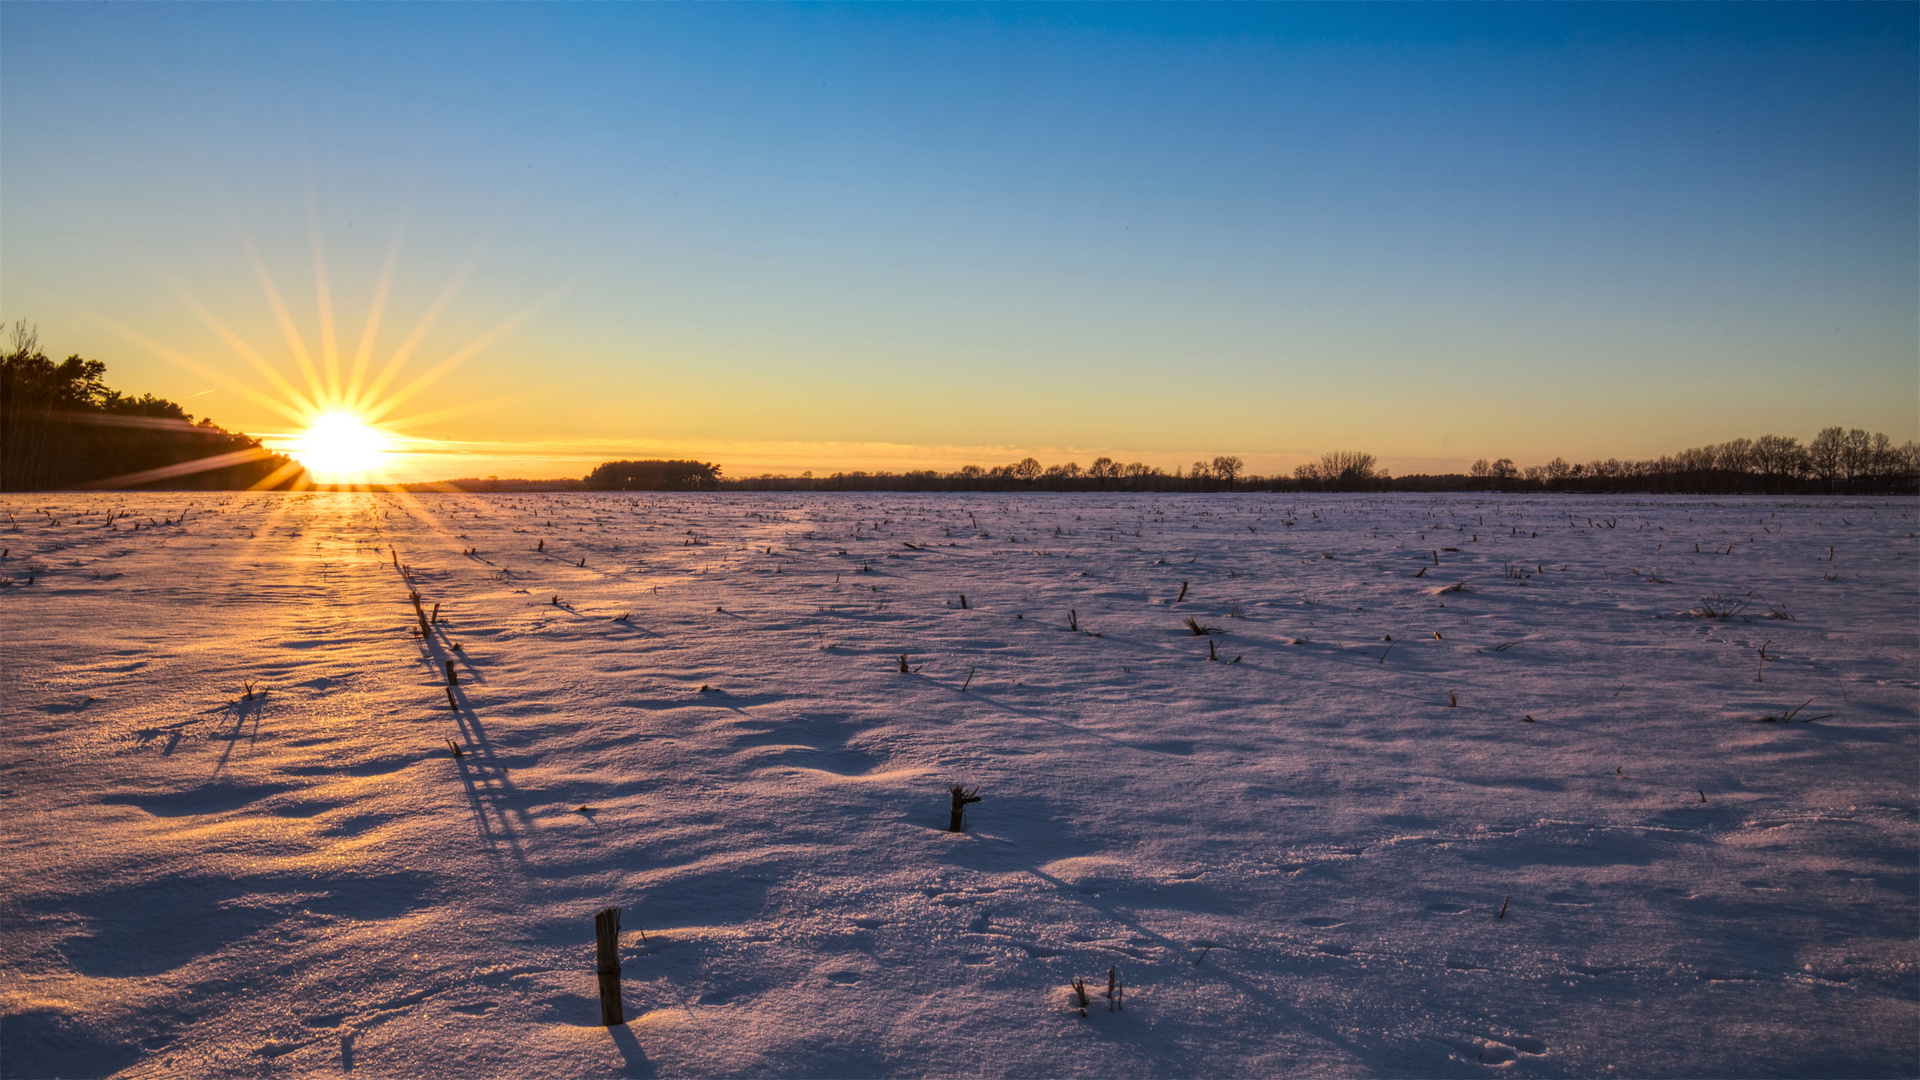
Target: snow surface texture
{"x": 1296, "y": 855}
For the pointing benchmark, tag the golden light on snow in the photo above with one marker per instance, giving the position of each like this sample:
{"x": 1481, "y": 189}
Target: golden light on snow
{"x": 339, "y": 447}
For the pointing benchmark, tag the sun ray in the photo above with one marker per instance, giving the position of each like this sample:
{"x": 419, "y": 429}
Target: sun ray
{"x": 323, "y": 300}
{"x": 248, "y": 353}
{"x": 301, "y": 357}
{"x": 292, "y": 412}
{"x": 363, "y": 355}
{"x": 273, "y": 479}
{"x": 425, "y": 512}
{"x": 391, "y": 369}
{"x": 438, "y": 371}
{"x": 414, "y": 420}
{"x": 184, "y": 468}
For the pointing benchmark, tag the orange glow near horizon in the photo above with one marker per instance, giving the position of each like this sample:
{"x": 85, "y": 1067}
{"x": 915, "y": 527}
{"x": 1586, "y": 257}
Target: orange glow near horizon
{"x": 340, "y": 406}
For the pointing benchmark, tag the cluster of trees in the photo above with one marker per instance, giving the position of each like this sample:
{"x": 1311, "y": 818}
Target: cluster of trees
{"x": 61, "y": 426}
{"x": 1837, "y": 460}
{"x": 1340, "y": 470}
{"x": 654, "y": 475}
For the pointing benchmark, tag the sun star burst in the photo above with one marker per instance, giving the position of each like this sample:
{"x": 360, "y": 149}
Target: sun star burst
{"x": 340, "y": 447}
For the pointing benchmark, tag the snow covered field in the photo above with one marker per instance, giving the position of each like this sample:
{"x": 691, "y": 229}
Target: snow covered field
{"x": 1295, "y": 855}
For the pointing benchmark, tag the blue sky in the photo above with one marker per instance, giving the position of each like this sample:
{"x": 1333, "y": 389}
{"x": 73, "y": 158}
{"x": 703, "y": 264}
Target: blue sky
{"x": 867, "y": 236}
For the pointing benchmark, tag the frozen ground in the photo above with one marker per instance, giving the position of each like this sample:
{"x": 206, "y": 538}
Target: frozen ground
{"x": 1294, "y": 855}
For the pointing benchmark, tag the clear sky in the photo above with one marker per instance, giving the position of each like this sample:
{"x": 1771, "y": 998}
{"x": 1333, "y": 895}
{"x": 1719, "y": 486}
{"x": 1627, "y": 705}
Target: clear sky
{"x": 825, "y": 237}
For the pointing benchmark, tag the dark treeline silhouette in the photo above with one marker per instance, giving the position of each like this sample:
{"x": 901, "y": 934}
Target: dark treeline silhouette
{"x": 654, "y": 476}
{"x": 1224, "y": 473}
{"x": 1836, "y": 461}
{"x": 62, "y": 427}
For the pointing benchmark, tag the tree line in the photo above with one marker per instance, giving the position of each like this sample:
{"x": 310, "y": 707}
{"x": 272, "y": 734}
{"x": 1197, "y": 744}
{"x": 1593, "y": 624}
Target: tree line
{"x": 1837, "y": 460}
{"x": 61, "y": 426}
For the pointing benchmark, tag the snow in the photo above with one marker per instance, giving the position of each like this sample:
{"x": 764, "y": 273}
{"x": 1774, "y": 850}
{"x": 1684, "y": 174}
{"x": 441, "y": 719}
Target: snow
{"x": 1295, "y": 856}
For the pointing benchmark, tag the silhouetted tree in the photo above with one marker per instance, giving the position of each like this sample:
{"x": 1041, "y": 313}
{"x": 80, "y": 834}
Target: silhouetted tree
{"x": 1228, "y": 467}
{"x": 1825, "y": 452}
{"x": 654, "y": 475}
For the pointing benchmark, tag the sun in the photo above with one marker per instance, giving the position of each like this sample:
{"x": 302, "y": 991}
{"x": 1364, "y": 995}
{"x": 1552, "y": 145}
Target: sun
{"x": 339, "y": 446}
{"x": 341, "y": 404}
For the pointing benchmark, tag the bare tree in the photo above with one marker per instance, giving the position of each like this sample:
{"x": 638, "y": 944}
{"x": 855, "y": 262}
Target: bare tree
{"x": 1779, "y": 458}
{"x": 1346, "y": 465}
{"x": 1228, "y": 467}
{"x": 1735, "y": 455}
{"x": 1856, "y": 456}
{"x": 1825, "y": 453}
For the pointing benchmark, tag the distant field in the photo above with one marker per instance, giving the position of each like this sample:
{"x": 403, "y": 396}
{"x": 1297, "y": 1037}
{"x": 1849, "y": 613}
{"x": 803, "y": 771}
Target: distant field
{"x": 1402, "y": 785}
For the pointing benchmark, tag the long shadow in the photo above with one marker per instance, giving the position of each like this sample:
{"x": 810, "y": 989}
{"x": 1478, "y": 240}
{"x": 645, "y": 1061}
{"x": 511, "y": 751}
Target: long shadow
{"x": 242, "y": 711}
{"x": 432, "y": 647}
{"x": 629, "y": 1047}
{"x": 489, "y": 791}
{"x": 586, "y": 618}
{"x": 436, "y": 637}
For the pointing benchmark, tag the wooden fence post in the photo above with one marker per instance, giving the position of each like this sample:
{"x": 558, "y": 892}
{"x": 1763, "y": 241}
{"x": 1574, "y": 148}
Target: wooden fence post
{"x": 606, "y": 929}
